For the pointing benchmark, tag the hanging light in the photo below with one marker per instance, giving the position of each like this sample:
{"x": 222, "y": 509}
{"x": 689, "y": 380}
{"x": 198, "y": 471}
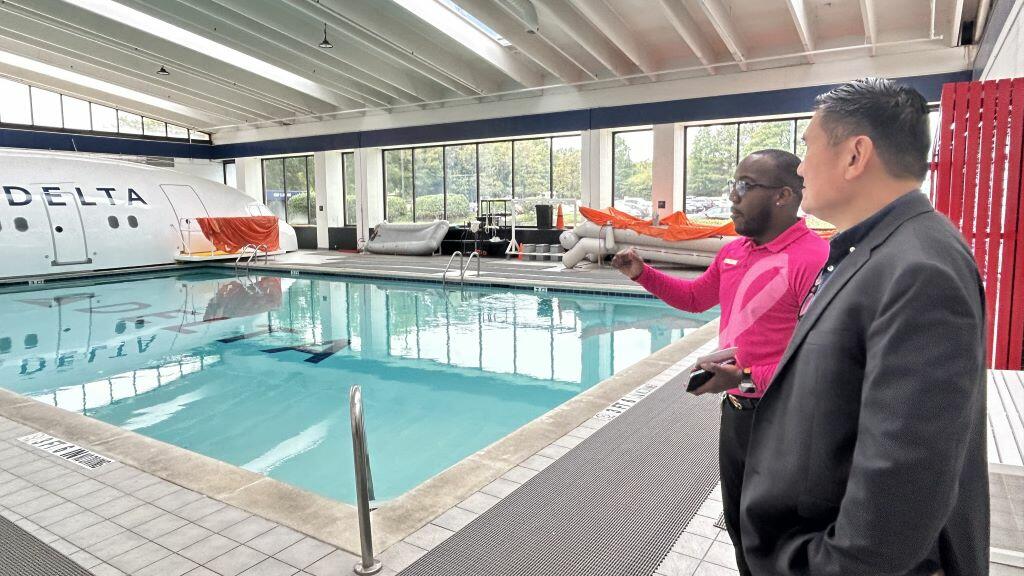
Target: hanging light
{"x": 325, "y": 43}
{"x": 163, "y": 71}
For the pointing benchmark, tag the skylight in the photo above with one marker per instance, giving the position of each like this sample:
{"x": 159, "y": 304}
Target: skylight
{"x": 449, "y": 4}
{"x": 180, "y": 36}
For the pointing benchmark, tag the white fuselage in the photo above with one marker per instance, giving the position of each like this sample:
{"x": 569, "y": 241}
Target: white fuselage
{"x": 65, "y": 213}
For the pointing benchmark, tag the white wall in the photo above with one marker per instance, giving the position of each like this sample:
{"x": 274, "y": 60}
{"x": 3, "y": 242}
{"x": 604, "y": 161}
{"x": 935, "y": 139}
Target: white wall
{"x": 1007, "y": 59}
{"x": 209, "y": 169}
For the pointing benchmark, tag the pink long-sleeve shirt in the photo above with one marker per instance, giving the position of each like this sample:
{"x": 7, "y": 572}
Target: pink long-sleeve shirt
{"x": 760, "y": 289}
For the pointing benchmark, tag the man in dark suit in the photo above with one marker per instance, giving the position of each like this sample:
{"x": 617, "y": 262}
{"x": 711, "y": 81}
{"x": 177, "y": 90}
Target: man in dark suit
{"x": 867, "y": 452}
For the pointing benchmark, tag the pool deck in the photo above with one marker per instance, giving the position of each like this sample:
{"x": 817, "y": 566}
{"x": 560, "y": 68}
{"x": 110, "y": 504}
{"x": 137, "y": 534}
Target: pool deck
{"x": 162, "y": 510}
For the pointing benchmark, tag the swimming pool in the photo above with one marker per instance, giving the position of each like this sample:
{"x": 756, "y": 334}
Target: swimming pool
{"x": 256, "y": 372}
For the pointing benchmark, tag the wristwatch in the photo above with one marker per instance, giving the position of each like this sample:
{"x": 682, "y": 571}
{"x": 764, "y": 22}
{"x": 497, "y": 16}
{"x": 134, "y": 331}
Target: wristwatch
{"x": 747, "y": 382}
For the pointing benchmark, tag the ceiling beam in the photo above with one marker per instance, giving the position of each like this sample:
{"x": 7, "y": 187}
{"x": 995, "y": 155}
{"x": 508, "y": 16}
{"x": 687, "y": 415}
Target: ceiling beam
{"x": 690, "y": 33}
{"x": 144, "y": 33}
{"x": 956, "y": 22}
{"x": 719, "y": 18}
{"x": 587, "y": 36}
{"x": 475, "y": 40}
{"x": 867, "y": 13}
{"x": 59, "y": 79}
{"x": 798, "y": 10}
{"x": 534, "y": 46}
{"x": 263, "y": 45}
{"x": 612, "y": 26}
{"x": 35, "y": 37}
{"x": 387, "y": 32}
{"x": 298, "y": 32}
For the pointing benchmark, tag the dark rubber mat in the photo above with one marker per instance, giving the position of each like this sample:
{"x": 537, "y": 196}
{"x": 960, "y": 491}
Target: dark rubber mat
{"x": 720, "y": 523}
{"x": 614, "y": 505}
{"x": 22, "y": 554}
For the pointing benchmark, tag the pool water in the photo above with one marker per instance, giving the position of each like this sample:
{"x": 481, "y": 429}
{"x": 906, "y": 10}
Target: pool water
{"x": 256, "y": 372}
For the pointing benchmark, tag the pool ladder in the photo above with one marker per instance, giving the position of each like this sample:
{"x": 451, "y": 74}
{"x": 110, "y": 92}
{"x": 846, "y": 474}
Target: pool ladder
{"x": 367, "y": 564}
{"x": 254, "y": 254}
{"x": 462, "y": 269}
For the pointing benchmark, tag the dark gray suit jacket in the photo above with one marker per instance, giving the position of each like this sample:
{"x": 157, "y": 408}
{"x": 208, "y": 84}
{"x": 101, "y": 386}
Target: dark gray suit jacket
{"x": 868, "y": 452}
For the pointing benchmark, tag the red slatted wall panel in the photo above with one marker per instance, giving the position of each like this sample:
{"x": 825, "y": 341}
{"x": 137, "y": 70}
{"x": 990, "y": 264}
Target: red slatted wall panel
{"x": 977, "y": 183}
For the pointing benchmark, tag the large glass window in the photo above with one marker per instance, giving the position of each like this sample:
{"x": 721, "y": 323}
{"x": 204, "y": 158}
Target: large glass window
{"x": 398, "y": 185}
{"x": 288, "y": 189}
{"x": 76, "y": 114}
{"x": 631, "y": 171}
{"x": 756, "y": 136}
{"x": 299, "y": 191}
{"x": 567, "y": 174}
{"x": 801, "y": 127}
{"x": 128, "y": 123}
{"x": 46, "y": 110}
{"x": 348, "y": 193}
{"x": 710, "y": 163}
{"x": 273, "y": 186}
{"x": 460, "y": 181}
{"x": 104, "y": 118}
{"x": 451, "y": 181}
{"x": 15, "y": 103}
{"x": 428, "y": 185}
{"x": 531, "y": 181}
{"x": 30, "y": 105}
{"x": 152, "y": 127}
{"x": 495, "y": 169}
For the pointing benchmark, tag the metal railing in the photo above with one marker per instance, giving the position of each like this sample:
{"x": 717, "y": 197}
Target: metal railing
{"x": 254, "y": 254}
{"x": 473, "y": 254}
{"x": 364, "y": 484}
{"x": 444, "y": 275}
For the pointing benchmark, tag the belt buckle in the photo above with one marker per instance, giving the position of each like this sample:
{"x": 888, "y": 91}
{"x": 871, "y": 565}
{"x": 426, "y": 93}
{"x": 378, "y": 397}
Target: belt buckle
{"x": 736, "y": 403}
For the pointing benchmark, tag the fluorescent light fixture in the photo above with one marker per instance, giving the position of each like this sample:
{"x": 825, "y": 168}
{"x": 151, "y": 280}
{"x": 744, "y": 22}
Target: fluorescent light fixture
{"x": 95, "y": 84}
{"x": 465, "y": 15}
{"x": 205, "y": 46}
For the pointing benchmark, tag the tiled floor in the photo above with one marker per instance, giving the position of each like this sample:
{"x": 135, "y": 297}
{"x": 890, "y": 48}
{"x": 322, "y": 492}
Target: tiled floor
{"x": 118, "y": 520}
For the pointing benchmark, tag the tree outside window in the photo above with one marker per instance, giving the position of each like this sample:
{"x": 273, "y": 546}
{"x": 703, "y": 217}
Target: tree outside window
{"x": 348, "y": 169}
{"x": 428, "y": 186}
{"x": 631, "y": 172}
{"x": 460, "y": 183}
{"x": 398, "y": 185}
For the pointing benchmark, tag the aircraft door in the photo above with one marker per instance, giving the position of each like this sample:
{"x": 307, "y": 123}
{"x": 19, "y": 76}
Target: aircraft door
{"x": 187, "y": 206}
{"x": 66, "y": 227}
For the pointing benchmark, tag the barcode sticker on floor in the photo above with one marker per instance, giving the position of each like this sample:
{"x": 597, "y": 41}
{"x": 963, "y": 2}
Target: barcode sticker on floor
{"x": 66, "y": 450}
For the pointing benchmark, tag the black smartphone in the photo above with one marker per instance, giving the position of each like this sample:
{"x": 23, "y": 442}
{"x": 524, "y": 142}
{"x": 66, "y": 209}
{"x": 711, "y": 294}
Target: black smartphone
{"x": 700, "y": 377}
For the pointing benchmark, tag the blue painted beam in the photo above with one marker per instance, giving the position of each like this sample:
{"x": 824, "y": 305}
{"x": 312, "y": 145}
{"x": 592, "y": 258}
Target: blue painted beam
{"x": 65, "y": 141}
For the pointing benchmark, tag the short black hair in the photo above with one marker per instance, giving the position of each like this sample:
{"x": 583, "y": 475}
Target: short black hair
{"x": 894, "y": 116}
{"x": 786, "y": 164}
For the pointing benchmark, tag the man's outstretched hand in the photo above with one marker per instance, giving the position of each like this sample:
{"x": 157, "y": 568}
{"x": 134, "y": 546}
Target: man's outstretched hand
{"x": 628, "y": 262}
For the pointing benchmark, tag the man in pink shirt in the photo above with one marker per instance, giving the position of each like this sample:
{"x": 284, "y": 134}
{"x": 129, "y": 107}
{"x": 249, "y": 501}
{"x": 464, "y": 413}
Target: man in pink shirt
{"x": 759, "y": 281}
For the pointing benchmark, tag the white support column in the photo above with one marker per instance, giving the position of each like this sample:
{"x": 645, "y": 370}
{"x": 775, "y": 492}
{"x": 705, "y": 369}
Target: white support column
{"x": 249, "y": 174}
{"x": 369, "y": 191}
{"x": 667, "y": 168}
{"x": 328, "y": 183}
{"x": 596, "y": 157}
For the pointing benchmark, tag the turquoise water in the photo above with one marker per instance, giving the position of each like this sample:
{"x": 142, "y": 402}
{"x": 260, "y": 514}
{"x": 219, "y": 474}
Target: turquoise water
{"x": 256, "y": 372}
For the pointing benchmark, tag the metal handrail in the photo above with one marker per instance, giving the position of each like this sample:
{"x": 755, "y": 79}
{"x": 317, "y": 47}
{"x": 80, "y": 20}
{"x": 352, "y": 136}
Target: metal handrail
{"x": 444, "y": 275}
{"x": 364, "y": 484}
{"x": 242, "y": 253}
{"x": 462, "y": 276}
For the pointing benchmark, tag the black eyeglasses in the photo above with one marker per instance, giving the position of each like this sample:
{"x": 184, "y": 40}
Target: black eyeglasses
{"x": 741, "y": 187}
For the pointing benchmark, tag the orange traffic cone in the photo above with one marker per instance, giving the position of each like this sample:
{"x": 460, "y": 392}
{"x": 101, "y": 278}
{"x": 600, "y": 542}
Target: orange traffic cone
{"x": 559, "y": 219}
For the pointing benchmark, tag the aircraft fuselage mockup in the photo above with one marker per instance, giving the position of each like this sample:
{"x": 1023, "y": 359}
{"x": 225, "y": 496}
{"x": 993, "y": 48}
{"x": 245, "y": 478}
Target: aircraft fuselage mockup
{"x": 68, "y": 213}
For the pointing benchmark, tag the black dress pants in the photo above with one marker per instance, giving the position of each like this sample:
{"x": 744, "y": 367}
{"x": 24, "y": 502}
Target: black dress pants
{"x": 734, "y": 436}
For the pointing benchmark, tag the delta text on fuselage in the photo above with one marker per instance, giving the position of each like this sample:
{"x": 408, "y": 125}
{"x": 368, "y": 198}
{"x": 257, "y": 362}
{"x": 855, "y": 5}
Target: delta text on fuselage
{"x": 16, "y": 196}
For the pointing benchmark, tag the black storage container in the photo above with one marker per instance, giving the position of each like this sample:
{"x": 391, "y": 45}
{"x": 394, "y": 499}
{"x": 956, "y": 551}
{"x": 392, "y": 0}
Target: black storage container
{"x": 543, "y": 216}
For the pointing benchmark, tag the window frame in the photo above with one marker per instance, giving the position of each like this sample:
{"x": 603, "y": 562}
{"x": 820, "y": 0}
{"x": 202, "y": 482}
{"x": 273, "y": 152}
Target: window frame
{"x": 628, "y": 131}
{"x": 310, "y": 187}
